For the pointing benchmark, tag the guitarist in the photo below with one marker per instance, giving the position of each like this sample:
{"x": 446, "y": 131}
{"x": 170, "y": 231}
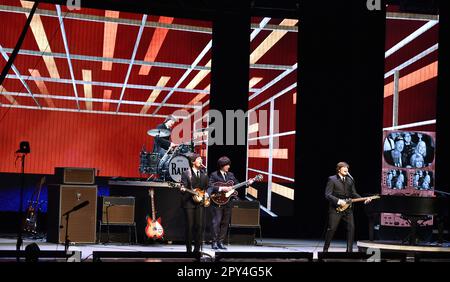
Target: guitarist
{"x": 340, "y": 186}
{"x": 191, "y": 179}
{"x": 221, "y": 214}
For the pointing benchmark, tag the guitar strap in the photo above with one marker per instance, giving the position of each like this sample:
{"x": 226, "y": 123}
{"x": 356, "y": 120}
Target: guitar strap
{"x": 190, "y": 176}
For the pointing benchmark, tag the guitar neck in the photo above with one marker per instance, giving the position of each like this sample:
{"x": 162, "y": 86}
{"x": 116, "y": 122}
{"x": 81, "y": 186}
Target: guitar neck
{"x": 239, "y": 185}
{"x": 360, "y": 199}
{"x": 153, "y": 206}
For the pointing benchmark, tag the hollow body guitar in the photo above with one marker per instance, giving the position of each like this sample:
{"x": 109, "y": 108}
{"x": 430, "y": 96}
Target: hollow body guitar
{"x": 222, "y": 198}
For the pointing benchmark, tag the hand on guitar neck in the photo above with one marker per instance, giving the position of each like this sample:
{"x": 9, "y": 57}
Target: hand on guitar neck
{"x": 345, "y": 204}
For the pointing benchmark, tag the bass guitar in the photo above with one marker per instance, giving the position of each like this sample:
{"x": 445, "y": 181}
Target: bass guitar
{"x": 198, "y": 195}
{"x": 349, "y": 202}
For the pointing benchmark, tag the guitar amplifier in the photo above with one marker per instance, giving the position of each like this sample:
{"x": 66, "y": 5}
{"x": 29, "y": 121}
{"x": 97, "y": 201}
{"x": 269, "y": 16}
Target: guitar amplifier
{"x": 75, "y": 175}
{"x": 118, "y": 210}
{"x": 82, "y": 222}
{"x": 245, "y": 213}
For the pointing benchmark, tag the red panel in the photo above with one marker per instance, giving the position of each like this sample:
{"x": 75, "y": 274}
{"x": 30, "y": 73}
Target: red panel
{"x": 110, "y": 143}
{"x": 286, "y": 112}
{"x": 418, "y": 103}
{"x": 285, "y": 167}
{"x": 396, "y": 30}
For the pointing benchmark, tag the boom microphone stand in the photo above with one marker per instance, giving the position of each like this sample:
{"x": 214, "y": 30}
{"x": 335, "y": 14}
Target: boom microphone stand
{"x": 24, "y": 149}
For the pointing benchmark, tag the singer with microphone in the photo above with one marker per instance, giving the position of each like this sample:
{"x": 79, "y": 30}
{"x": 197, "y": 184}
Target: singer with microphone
{"x": 340, "y": 187}
{"x": 194, "y": 178}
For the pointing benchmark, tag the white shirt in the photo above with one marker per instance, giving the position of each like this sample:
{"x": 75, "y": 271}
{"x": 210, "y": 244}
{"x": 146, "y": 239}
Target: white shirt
{"x": 223, "y": 174}
{"x": 196, "y": 171}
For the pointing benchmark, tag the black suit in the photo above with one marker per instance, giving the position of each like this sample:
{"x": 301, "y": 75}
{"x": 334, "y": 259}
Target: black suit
{"x": 161, "y": 144}
{"x": 337, "y": 189}
{"x": 193, "y": 211}
{"x": 221, "y": 215}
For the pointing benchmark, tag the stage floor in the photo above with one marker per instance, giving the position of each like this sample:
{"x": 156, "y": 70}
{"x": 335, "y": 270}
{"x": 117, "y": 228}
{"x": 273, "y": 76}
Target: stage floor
{"x": 264, "y": 245}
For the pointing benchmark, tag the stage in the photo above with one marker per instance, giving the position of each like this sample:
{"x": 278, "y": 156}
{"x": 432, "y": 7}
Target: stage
{"x": 266, "y": 250}
{"x": 263, "y": 246}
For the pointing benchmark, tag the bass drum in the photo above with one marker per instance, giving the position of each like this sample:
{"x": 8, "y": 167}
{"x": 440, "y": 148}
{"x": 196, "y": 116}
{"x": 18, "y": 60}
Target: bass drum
{"x": 176, "y": 166}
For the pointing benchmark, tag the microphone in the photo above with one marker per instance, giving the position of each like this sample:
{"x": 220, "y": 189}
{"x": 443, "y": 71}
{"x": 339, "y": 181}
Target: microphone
{"x": 351, "y": 177}
{"x": 77, "y": 207}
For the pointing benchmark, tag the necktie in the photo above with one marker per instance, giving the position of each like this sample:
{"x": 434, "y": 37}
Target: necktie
{"x": 225, "y": 176}
{"x": 343, "y": 179}
{"x": 198, "y": 174}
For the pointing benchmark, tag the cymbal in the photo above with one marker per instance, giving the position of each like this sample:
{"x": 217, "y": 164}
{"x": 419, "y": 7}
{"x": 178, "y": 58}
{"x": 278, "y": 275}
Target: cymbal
{"x": 158, "y": 132}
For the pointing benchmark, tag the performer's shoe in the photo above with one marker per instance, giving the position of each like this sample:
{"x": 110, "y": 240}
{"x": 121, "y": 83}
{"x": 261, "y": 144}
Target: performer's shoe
{"x": 221, "y": 246}
{"x": 214, "y": 246}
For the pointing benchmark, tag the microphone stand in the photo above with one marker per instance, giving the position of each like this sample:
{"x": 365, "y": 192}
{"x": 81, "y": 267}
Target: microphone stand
{"x": 107, "y": 222}
{"x": 22, "y": 180}
{"x": 203, "y": 221}
{"x": 66, "y": 238}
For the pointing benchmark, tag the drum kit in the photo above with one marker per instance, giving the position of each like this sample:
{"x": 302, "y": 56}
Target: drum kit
{"x": 172, "y": 164}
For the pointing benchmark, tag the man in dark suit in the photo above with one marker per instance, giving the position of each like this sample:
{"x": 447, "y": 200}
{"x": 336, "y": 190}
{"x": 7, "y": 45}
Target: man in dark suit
{"x": 221, "y": 214}
{"x": 162, "y": 144}
{"x": 191, "y": 179}
{"x": 340, "y": 186}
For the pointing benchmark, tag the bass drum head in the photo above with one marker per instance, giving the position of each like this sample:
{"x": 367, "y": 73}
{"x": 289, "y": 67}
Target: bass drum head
{"x": 177, "y": 166}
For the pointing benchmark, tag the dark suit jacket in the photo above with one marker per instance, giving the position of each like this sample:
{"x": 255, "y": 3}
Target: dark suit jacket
{"x": 191, "y": 182}
{"x": 215, "y": 177}
{"x": 336, "y": 189}
{"x": 161, "y": 143}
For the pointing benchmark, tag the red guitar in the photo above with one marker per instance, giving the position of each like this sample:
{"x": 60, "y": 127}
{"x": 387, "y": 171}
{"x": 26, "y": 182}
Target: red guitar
{"x": 154, "y": 229}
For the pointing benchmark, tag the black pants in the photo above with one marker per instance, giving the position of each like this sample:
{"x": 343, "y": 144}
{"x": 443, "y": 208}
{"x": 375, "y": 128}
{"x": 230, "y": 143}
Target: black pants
{"x": 333, "y": 222}
{"x": 194, "y": 227}
{"x": 220, "y": 221}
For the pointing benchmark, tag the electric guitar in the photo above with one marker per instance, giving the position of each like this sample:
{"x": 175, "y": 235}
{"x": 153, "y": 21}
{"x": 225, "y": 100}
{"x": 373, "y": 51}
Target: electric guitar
{"x": 349, "y": 202}
{"x": 222, "y": 198}
{"x": 30, "y": 223}
{"x": 198, "y": 194}
{"x": 154, "y": 229}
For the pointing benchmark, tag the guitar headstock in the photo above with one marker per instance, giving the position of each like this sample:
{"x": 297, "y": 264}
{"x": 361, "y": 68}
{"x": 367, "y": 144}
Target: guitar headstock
{"x": 259, "y": 177}
{"x": 174, "y": 185}
{"x": 43, "y": 179}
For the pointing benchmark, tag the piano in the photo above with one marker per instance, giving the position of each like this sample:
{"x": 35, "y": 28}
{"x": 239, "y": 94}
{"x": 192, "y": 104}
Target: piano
{"x": 412, "y": 208}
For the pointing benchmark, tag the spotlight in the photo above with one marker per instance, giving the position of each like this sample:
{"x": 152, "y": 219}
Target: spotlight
{"x": 24, "y": 147}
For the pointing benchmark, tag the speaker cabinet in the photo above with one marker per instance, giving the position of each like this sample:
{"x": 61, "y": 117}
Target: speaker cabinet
{"x": 245, "y": 213}
{"x": 82, "y": 222}
{"x": 118, "y": 210}
{"x": 75, "y": 175}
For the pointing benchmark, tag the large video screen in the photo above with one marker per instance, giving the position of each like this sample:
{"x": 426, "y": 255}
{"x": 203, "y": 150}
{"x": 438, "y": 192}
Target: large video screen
{"x": 87, "y": 85}
{"x": 272, "y": 113}
{"x": 410, "y": 89}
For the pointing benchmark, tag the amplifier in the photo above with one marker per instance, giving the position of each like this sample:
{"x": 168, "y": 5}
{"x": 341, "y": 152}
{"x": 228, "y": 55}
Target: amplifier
{"x": 82, "y": 222}
{"x": 118, "y": 210}
{"x": 245, "y": 213}
{"x": 75, "y": 175}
